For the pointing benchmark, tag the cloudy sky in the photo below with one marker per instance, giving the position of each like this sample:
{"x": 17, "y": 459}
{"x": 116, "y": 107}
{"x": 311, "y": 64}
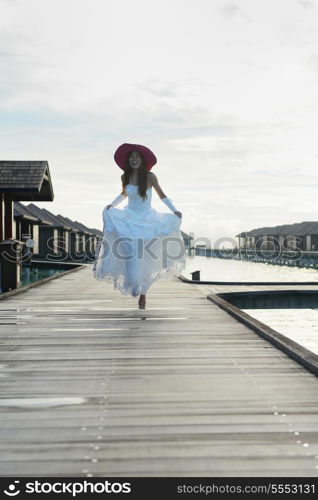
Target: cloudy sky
{"x": 225, "y": 93}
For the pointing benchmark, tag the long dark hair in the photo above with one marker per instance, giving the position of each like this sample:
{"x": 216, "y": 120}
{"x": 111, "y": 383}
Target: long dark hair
{"x": 142, "y": 181}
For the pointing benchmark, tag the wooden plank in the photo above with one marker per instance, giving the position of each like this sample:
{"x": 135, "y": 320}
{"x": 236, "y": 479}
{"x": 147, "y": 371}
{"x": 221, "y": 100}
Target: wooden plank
{"x": 93, "y": 386}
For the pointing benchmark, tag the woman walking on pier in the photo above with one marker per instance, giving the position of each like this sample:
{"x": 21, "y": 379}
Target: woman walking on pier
{"x": 140, "y": 245}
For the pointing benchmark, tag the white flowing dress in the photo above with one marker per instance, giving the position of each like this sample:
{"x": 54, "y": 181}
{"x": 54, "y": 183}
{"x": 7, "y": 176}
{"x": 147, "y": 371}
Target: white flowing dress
{"x": 139, "y": 245}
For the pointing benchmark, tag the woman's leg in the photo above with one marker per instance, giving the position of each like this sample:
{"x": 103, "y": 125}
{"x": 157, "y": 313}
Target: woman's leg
{"x": 142, "y": 301}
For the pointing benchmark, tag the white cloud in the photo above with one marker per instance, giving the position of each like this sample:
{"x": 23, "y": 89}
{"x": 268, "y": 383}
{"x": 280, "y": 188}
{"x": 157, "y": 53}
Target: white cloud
{"x": 306, "y": 4}
{"x": 232, "y": 10}
{"x": 223, "y": 92}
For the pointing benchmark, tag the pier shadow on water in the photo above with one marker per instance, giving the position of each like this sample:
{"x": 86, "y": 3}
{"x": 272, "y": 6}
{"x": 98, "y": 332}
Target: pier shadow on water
{"x": 274, "y": 299}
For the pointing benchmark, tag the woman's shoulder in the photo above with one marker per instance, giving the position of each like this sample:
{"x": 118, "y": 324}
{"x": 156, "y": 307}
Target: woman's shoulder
{"x": 153, "y": 178}
{"x": 152, "y": 175}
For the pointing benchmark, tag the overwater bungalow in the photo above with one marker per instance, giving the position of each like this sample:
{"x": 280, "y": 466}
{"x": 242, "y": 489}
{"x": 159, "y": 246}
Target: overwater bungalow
{"x": 186, "y": 240}
{"x": 26, "y": 224}
{"x": 83, "y": 240}
{"x": 97, "y": 235}
{"x": 48, "y": 233}
{"x": 77, "y": 239}
{"x": 90, "y": 239}
{"x": 302, "y": 235}
{"x": 86, "y": 239}
{"x": 292, "y": 244}
{"x": 19, "y": 181}
{"x": 63, "y": 234}
{"x": 73, "y": 235}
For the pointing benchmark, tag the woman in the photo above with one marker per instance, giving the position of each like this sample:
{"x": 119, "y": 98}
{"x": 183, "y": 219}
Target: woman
{"x": 140, "y": 245}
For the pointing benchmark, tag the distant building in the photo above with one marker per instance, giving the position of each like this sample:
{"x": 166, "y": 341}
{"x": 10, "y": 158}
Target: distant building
{"x": 186, "y": 239}
{"x": 25, "y": 223}
{"x": 302, "y": 235}
{"x": 48, "y": 232}
{"x": 19, "y": 181}
{"x": 56, "y": 237}
{"x": 64, "y": 238}
{"x": 74, "y": 236}
{"x": 85, "y": 237}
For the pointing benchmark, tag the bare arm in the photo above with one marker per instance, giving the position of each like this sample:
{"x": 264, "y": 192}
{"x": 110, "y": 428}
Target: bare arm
{"x": 157, "y": 187}
{"x": 159, "y": 191}
{"x": 123, "y": 191}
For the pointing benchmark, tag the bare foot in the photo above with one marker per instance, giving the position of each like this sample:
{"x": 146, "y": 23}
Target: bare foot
{"x": 142, "y": 301}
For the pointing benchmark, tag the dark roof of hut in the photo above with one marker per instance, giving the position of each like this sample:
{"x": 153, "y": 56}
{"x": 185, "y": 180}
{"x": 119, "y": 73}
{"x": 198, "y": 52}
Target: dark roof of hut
{"x": 26, "y": 180}
{"x": 55, "y": 220}
{"x": 186, "y": 236}
{"x": 80, "y": 227}
{"x": 297, "y": 229}
{"x": 95, "y": 231}
{"x": 68, "y": 221}
{"x": 39, "y": 213}
{"x": 21, "y": 211}
{"x": 309, "y": 227}
{"x": 85, "y": 229}
{"x": 43, "y": 216}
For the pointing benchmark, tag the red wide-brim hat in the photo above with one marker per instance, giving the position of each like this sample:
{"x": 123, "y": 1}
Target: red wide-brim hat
{"x": 123, "y": 151}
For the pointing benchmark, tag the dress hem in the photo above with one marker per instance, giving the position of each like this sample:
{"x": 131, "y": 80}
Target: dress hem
{"x": 118, "y": 281}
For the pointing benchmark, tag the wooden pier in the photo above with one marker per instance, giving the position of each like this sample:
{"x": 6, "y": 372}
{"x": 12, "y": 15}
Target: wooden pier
{"x": 92, "y": 386}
